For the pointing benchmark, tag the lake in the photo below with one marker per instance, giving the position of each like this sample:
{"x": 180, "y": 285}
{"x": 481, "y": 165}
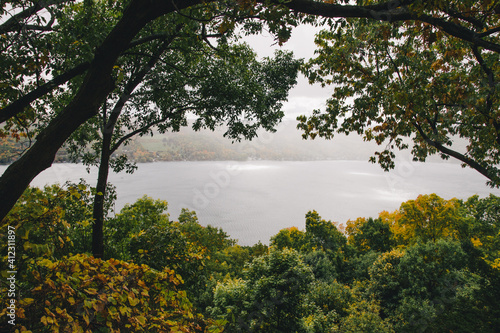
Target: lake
{"x": 253, "y": 200}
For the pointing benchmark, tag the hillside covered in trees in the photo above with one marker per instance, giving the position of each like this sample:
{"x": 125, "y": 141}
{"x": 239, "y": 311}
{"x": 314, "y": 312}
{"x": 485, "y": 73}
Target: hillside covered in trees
{"x": 286, "y": 144}
{"x": 433, "y": 265}
{"x": 188, "y": 145}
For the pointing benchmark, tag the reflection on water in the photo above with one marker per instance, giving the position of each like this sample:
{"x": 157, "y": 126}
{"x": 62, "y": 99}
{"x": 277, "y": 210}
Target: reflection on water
{"x": 254, "y": 200}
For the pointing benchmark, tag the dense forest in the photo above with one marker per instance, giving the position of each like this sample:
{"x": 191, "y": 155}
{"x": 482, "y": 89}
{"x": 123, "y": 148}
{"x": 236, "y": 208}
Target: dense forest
{"x": 430, "y": 266}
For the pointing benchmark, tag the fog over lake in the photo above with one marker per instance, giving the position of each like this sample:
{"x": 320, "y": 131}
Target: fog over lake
{"x": 253, "y": 200}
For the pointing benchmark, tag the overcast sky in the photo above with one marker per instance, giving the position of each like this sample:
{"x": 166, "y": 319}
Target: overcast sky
{"x": 303, "y": 97}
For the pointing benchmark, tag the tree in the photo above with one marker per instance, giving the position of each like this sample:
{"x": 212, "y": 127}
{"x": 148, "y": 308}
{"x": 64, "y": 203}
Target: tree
{"x": 431, "y": 287}
{"x": 291, "y": 238}
{"x": 323, "y": 246}
{"x": 114, "y": 296}
{"x": 364, "y": 316}
{"x": 171, "y": 70}
{"x": 132, "y": 222}
{"x": 220, "y": 86}
{"x": 324, "y": 306}
{"x": 429, "y": 218}
{"x": 485, "y": 230}
{"x": 51, "y": 222}
{"x": 414, "y": 81}
{"x": 268, "y": 298}
{"x": 324, "y": 235}
{"x": 370, "y": 235}
{"x": 27, "y": 20}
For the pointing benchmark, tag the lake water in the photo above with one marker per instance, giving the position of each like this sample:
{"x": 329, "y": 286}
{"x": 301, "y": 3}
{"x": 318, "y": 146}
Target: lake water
{"x": 253, "y": 200}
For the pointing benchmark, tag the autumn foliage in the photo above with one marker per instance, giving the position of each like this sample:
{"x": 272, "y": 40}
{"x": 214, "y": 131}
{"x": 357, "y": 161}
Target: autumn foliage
{"x": 83, "y": 294}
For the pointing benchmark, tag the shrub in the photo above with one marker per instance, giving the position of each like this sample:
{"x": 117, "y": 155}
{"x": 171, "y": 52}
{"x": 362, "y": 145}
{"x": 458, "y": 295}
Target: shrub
{"x": 83, "y": 294}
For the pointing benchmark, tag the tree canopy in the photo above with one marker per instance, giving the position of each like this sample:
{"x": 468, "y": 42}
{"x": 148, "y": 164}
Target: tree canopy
{"x": 177, "y": 75}
{"x": 164, "y": 275}
{"x": 409, "y": 72}
{"x": 414, "y": 84}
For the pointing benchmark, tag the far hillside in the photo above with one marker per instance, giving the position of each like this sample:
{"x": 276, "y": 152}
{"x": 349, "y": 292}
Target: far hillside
{"x": 286, "y": 144}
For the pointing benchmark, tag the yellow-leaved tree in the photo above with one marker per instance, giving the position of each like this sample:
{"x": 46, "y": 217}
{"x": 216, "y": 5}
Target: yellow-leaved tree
{"x": 427, "y": 218}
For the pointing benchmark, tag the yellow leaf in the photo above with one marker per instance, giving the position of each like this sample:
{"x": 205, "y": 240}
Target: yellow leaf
{"x": 124, "y": 310}
{"x": 77, "y": 328}
{"x": 25, "y": 236}
{"x": 88, "y": 304}
{"x": 86, "y": 318}
{"x": 476, "y": 242}
{"x": 91, "y": 291}
{"x": 133, "y": 301}
{"x": 141, "y": 320}
{"x": 51, "y": 283}
{"x": 27, "y": 301}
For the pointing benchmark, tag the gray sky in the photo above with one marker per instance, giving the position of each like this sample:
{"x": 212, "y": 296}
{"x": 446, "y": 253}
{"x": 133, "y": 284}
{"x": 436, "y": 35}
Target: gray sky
{"x": 303, "y": 97}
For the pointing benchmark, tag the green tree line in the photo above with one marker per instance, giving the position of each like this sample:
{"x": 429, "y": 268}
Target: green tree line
{"x": 433, "y": 265}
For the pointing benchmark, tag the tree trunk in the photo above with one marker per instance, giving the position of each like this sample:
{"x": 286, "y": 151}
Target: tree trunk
{"x": 40, "y": 156}
{"x": 106, "y": 151}
{"x": 102, "y": 181}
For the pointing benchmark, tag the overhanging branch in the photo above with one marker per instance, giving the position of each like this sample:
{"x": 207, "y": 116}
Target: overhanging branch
{"x": 20, "y": 104}
{"x": 392, "y": 11}
{"x": 461, "y": 157}
{"x": 14, "y": 22}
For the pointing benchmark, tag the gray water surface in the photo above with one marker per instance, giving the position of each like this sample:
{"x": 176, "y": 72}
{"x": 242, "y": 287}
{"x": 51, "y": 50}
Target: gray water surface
{"x": 253, "y": 200}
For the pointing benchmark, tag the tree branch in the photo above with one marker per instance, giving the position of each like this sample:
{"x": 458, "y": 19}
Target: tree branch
{"x": 21, "y": 103}
{"x": 144, "y": 128}
{"x": 146, "y": 39}
{"x": 134, "y": 82}
{"x": 477, "y": 23}
{"x": 489, "y": 98}
{"x": 14, "y": 22}
{"x": 488, "y": 32}
{"x": 470, "y": 162}
{"x": 93, "y": 92}
{"x": 395, "y": 11}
